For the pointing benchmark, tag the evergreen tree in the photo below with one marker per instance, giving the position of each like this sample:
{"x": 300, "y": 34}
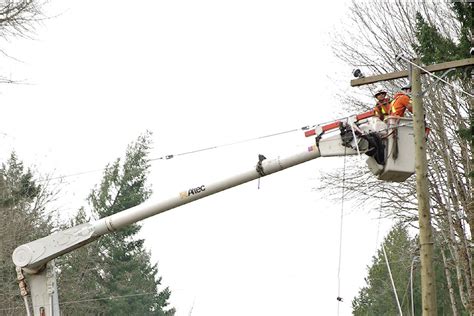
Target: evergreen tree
{"x": 79, "y": 280}
{"x": 22, "y": 219}
{"x": 435, "y": 47}
{"x": 117, "y": 266}
{"x": 377, "y": 297}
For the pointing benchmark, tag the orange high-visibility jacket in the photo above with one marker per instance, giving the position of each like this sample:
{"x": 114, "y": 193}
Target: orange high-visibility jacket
{"x": 400, "y": 103}
{"x": 382, "y": 108}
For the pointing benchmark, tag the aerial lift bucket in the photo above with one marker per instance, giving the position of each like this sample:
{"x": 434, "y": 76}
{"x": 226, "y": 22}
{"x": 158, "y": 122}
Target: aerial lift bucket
{"x": 399, "y": 151}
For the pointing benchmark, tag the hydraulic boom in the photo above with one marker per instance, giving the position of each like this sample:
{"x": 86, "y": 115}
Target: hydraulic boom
{"x": 355, "y": 135}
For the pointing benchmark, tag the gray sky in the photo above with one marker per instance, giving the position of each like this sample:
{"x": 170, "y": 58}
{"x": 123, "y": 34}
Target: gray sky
{"x": 200, "y": 74}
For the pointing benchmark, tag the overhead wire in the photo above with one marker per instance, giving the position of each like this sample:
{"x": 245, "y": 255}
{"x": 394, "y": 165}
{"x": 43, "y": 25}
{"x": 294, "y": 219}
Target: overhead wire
{"x": 387, "y": 262}
{"x": 166, "y": 157}
{"x": 393, "y": 283}
{"x": 108, "y": 298}
{"x": 380, "y": 217}
{"x": 339, "y": 298}
{"x": 72, "y": 175}
{"x": 170, "y": 156}
{"x": 401, "y": 56}
{"x": 90, "y": 300}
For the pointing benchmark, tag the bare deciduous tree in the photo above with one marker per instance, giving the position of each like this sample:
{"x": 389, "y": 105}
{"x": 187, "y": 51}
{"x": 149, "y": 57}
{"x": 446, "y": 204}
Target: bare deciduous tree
{"x": 376, "y": 32}
{"x": 18, "y": 18}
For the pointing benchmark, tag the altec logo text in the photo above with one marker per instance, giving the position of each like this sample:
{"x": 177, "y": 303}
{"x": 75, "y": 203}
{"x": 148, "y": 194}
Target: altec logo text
{"x": 193, "y": 191}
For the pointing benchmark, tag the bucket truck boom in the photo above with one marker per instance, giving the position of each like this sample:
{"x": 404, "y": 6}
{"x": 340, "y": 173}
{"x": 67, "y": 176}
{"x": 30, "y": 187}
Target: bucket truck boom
{"x": 355, "y": 135}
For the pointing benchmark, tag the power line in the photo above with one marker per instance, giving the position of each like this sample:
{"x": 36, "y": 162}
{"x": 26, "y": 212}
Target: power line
{"x": 401, "y": 56}
{"x": 108, "y": 298}
{"x": 166, "y": 157}
{"x": 391, "y": 279}
{"x": 339, "y": 298}
{"x": 72, "y": 175}
{"x": 91, "y": 300}
{"x": 170, "y": 156}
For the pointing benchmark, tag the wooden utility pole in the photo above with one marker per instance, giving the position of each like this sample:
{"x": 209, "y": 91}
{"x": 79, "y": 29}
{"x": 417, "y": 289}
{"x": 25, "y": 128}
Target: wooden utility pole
{"x": 428, "y": 288}
{"x": 428, "y": 285}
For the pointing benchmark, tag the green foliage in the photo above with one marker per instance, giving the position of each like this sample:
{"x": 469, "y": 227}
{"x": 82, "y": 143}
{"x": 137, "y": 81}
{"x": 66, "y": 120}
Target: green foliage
{"x": 377, "y": 297}
{"x": 117, "y": 266}
{"x": 465, "y": 133}
{"x": 124, "y": 187}
{"x": 80, "y": 277}
{"x": 18, "y": 186}
{"x": 434, "y": 47}
{"x": 22, "y": 219}
{"x": 465, "y": 15}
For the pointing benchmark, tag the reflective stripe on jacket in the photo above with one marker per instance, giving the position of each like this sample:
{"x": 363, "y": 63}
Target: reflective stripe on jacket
{"x": 400, "y": 103}
{"x": 382, "y": 108}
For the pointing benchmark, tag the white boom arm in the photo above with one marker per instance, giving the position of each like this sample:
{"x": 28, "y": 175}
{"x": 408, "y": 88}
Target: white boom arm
{"x": 35, "y": 258}
{"x": 32, "y": 256}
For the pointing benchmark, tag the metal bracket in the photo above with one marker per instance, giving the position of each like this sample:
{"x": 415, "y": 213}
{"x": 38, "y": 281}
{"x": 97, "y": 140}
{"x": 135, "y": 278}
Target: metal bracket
{"x": 410, "y": 73}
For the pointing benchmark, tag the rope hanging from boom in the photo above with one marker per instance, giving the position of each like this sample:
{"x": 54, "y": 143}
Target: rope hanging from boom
{"x": 259, "y": 168}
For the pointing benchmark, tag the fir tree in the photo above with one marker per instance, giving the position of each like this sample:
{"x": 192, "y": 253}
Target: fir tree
{"x": 377, "y": 297}
{"x": 22, "y": 219}
{"x": 121, "y": 268}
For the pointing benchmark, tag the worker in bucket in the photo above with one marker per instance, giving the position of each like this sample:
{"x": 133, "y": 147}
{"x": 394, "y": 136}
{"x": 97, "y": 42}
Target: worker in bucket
{"x": 401, "y": 102}
{"x": 382, "y": 105}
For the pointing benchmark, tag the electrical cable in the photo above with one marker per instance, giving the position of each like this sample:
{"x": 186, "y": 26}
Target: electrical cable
{"x": 393, "y": 283}
{"x": 401, "y": 56}
{"x": 91, "y": 300}
{"x": 339, "y": 298}
{"x": 227, "y": 144}
{"x": 167, "y": 157}
{"x": 170, "y": 156}
{"x": 108, "y": 298}
{"x": 411, "y": 286}
{"x": 72, "y": 175}
{"x": 25, "y": 300}
{"x": 380, "y": 217}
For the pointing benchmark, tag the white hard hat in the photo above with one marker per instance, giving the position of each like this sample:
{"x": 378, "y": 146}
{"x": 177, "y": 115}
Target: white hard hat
{"x": 379, "y": 90}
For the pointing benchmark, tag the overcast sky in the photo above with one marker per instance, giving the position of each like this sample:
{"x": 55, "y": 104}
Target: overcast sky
{"x": 200, "y": 74}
